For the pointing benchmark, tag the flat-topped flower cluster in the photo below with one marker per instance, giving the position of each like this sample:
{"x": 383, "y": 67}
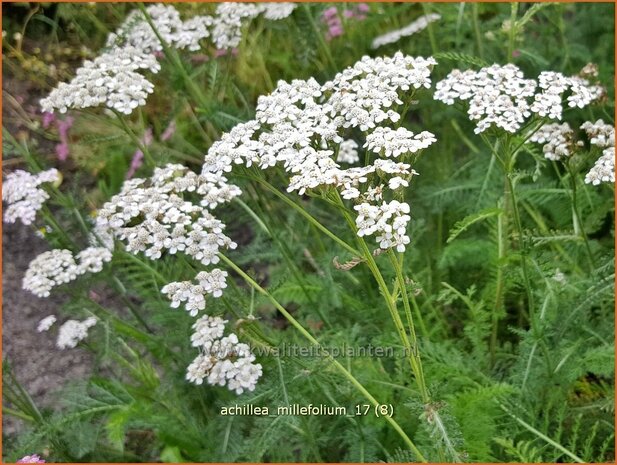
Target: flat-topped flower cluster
{"x": 212, "y": 282}
{"x": 155, "y": 215}
{"x": 304, "y": 127}
{"x": 59, "y": 266}
{"x": 601, "y": 135}
{"x": 558, "y": 143}
{"x": 223, "y": 360}
{"x": 74, "y": 331}
{"x": 501, "y": 96}
{"x": 23, "y": 195}
{"x": 113, "y": 79}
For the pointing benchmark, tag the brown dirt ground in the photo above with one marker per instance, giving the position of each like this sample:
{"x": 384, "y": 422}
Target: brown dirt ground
{"x": 39, "y": 366}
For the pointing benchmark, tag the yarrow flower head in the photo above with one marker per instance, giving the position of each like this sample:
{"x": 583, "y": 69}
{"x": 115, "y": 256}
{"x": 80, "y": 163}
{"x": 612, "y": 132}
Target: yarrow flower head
{"x": 223, "y": 360}
{"x": 24, "y": 197}
{"x": 604, "y": 168}
{"x": 111, "y": 80}
{"x": 559, "y": 143}
{"x": 601, "y": 135}
{"x": 557, "y": 140}
{"x": 412, "y": 28}
{"x": 46, "y": 323}
{"x": 73, "y": 331}
{"x": 135, "y": 30}
{"x": 154, "y": 215}
{"x": 500, "y": 96}
{"x": 302, "y": 124}
{"x": 57, "y": 267}
{"x": 208, "y": 282}
{"x": 348, "y": 152}
{"x": 230, "y": 17}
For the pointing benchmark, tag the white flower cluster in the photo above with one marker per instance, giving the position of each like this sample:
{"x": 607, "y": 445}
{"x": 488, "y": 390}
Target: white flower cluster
{"x": 557, "y": 140}
{"x": 112, "y": 79}
{"x": 24, "y": 197}
{"x": 46, "y": 323}
{"x": 604, "y": 168}
{"x": 601, "y": 135}
{"x": 136, "y": 31}
{"x": 395, "y": 142}
{"x": 230, "y": 17}
{"x": 208, "y": 282}
{"x": 225, "y": 27}
{"x": 348, "y": 152}
{"x": 59, "y": 266}
{"x": 501, "y": 96}
{"x": 156, "y": 215}
{"x": 74, "y": 331}
{"x": 389, "y": 220}
{"x": 223, "y": 361}
{"x": 558, "y": 143}
{"x": 301, "y": 124}
{"x": 412, "y": 28}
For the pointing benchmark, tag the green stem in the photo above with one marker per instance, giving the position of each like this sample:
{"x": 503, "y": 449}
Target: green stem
{"x": 331, "y": 359}
{"x": 519, "y": 228}
{"x": 412, "y": 352}
{"x": 306, "y": 215}
{"x": 577, "y": 222}
{"x": 556, "y": 445}
{"x": 431, "y": 33}
{"x": 173, "y": 57}
{"x": 476, "y": 29}
{"x": 322, "y": 43}
{"x": 501, "y": 250}
{"x": 512, "y": 31}
{"x": 398, "y": 268}
{"x": 135, "y": 139}
{"x": 17, "y": 414}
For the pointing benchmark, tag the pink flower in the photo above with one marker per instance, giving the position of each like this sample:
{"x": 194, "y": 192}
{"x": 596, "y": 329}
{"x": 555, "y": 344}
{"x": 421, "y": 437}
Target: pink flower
{"x": 363, "y": 8}
{"x": 224, "y": 51}
{"x": 31, "y": 459}
{"x": 348, "y": 14}
{"x": 146, "y": 139}
{"x": 63, "y": 128}
{"x": 169, "y": 131}
{"x": 335, "y": 30}
{"x": 136, "y": 162}
{"x": 62, "y": 151}
{"x": 48, "y": 119}
{"x": 200, "y": 58}
{"x": 330, "y": 12}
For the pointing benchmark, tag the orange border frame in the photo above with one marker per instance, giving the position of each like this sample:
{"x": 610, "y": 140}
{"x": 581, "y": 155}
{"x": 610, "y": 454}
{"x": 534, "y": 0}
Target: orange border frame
{"x": 297, "y": 1}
